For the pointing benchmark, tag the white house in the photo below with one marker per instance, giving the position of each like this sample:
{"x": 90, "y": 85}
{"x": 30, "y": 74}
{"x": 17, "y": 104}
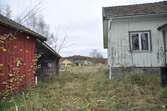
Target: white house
{"x": 136, "y": 36}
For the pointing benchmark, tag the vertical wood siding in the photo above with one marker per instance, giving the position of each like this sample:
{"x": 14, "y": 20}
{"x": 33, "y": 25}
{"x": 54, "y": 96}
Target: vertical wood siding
{"x": 22, "y": 49}
{"x": 119, "y": 49}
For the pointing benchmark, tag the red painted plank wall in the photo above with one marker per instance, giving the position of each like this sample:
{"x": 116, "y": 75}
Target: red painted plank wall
{"x": 16, "y": 60}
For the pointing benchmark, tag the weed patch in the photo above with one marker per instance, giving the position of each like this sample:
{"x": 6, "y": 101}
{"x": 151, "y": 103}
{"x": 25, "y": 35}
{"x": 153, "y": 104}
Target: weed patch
{"x": 88, "y": 89}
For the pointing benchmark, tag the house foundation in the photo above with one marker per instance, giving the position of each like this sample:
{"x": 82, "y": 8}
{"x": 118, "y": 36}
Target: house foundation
{"x": 163, "y": 73}
{"x": 119, "y": 72}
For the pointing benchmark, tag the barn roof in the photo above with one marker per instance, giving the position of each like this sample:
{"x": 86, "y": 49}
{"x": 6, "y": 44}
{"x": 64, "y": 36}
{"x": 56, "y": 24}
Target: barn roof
{"x": 12, "y": 24}
{"x": 50, "y": 49}
{"x": 137, "y": 9}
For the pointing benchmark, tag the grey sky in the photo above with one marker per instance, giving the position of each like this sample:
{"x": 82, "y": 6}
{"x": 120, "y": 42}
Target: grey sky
{"x": 80, "y": 20}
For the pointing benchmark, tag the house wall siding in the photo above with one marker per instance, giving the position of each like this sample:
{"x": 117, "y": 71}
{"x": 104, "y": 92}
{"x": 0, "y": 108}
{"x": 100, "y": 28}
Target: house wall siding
{"x": 49, "y": 68}
{"x": 166, "y": 44}
{"x": 119, "y": 50}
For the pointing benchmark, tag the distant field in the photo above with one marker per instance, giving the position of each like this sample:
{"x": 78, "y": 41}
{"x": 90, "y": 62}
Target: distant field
{"x": 87, "y": 88}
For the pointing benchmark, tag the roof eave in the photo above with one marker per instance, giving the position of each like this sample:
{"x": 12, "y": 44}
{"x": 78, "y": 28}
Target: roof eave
{"x": 44, "y": 44}
{"x": 49, "y": 48}
{"x": 133, "y": 16}
{"x": 18, "y": 27}
{"x": 163, "y": 27}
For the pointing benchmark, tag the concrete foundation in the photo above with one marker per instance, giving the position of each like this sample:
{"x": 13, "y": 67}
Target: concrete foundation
{"x": 117, "y": 72}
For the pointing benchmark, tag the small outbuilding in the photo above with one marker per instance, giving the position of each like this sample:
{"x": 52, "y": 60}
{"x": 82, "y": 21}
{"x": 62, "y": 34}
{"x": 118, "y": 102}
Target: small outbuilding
{"x": 65, "y": 63}
{"x": 19, "y": 51}
{"x": 48, "y": 61}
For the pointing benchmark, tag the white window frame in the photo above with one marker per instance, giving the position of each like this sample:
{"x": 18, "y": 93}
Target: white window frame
{"x": 140, "y": 43}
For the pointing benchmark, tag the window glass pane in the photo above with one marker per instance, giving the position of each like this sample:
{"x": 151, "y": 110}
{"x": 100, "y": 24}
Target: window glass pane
{"x": 144, "y": 41}
{"x": 135, "y": 42}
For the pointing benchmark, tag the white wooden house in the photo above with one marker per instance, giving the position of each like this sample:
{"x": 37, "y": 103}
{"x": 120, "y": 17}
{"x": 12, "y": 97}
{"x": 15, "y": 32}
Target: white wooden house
{"x": 136, "y": 35}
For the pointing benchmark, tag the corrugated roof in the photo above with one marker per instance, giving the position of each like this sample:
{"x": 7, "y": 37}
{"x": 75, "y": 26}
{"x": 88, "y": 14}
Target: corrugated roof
{"x": 10, "y": 23}
{"x": 137, "y": 9}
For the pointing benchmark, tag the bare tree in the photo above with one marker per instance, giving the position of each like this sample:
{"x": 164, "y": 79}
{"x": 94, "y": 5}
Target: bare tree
{"x": 8, "y": 11}
{"x": 96, "y": 54}
{"x": 38, "y": 24}
{"x": 32, "y": 18}
{"x": 5, "y": 10}
{"x": 42, "y": 27}
{"x": 29, "y": 13}
{"x": 62, "y": 44}
{"x": 32, "y": 21}
{"x": 57, "y": 44}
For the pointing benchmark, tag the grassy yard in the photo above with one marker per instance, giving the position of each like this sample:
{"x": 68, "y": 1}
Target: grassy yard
{"x": 88, "y": 89}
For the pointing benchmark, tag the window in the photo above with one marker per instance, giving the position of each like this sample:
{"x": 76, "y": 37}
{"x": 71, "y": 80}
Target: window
{"x": 135, "y": 42}
{"x": 50, "y": 65}
{"x": 144, "y": 41}
{"x": 140, "y": 41}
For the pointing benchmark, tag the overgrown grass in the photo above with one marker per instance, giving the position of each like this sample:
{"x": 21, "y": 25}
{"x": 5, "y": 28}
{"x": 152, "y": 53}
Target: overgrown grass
{"x": 88, "y": 89}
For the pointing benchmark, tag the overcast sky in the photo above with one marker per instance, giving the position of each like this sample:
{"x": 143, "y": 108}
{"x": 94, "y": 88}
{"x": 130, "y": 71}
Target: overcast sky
{"x": 80, "y": 20}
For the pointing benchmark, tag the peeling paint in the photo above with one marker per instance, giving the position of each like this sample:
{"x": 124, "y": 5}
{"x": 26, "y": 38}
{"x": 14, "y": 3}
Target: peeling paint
{"x": 119, "y": 48}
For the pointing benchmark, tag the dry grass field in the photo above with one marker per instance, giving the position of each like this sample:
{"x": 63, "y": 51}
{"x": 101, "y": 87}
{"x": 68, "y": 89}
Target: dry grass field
{"x": 88, "y": 89}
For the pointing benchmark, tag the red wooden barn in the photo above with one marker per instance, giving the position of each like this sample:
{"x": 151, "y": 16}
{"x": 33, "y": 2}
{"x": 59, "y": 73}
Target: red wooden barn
{"x": 18, "y": 49}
